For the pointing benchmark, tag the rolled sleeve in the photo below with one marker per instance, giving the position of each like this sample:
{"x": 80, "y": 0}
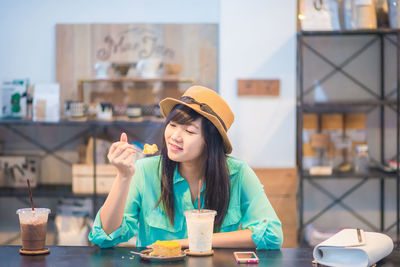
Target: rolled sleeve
{"x": 125, "y": 232}
{"x": 130, "y": 220}
{"x": 267, "y": 235}
{"x": 258, "y": 214}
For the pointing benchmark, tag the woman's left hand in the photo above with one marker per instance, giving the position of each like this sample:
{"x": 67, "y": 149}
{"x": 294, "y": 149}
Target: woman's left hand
{"x": 184, "y": 242}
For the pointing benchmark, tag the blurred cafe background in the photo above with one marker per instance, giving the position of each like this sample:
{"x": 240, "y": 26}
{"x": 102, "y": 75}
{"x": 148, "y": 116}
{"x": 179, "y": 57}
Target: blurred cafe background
{"x": 314, "y": 85}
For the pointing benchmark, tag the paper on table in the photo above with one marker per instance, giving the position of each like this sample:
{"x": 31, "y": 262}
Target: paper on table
{"x": 344, "y": 249}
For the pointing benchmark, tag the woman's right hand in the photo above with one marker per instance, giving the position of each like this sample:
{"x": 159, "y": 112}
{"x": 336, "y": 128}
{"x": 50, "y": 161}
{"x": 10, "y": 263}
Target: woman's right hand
{"x": 121, "y": 156}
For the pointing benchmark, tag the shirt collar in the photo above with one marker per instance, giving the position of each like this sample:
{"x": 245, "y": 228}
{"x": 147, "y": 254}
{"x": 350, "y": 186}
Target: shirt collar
{"x": 177, "y": 176}
{"x": 233, "y": 169}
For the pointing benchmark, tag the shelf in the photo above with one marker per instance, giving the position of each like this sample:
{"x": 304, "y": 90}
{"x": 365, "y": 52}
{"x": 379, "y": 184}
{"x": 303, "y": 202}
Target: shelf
{"x": 43, "y": 191}
{"x": 174, "y": 79}
{"x": 373, "y": 173}
{"x": 345, "y": 106}
{"x": 64, "y": 122}
{"x": 349, "y": 32}
{"x": 380, "y": 101}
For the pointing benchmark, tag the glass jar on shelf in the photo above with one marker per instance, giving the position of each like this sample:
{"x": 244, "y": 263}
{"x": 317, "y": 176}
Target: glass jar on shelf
{"x": 361, "y": 159}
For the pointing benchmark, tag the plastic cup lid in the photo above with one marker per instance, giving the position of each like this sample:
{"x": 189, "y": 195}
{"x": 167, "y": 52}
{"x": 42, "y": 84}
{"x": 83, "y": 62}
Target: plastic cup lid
{"x": 203, "y": 212}
{"x": 37, "y": 210}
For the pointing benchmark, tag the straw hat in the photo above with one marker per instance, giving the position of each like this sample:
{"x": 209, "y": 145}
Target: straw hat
{"x": 207, "y": 103}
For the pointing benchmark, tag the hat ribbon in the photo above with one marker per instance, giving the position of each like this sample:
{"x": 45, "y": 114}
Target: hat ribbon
{"x": 204, "y": 107}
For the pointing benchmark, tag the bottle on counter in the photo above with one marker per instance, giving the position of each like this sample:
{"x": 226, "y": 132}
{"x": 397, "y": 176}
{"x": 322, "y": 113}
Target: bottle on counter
{"x": 29, "y": 106}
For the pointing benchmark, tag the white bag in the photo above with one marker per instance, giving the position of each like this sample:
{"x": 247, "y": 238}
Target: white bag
{"x": 353, "y": 247}
{"x": 318, "y": 15}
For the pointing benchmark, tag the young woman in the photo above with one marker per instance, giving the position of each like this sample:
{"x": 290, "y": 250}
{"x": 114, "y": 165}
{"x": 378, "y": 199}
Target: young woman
{"x": 148, "y": 199}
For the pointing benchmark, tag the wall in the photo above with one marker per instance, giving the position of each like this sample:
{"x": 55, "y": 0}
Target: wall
{"x": 261, "y": 44}
{"x": 27, "y": 48}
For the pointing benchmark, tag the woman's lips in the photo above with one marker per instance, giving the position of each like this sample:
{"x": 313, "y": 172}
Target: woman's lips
{"x": 174, "y": 147}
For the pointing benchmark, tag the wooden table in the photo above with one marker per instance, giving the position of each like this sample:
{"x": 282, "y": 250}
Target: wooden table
{"x": 121, "y": 256}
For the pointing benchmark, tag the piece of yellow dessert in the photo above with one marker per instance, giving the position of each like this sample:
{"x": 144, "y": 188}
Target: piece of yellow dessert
{"x": 166, "y": 249}
{"x": 150, "y": 149}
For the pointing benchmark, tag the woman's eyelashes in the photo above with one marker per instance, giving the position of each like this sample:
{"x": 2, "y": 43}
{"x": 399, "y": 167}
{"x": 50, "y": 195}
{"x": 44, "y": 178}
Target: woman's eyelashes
{"x": 190, "y": 129}
{"x": 190, "y": 132}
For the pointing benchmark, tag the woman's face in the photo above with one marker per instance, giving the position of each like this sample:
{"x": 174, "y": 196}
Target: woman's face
{"x": 185, "y": 142}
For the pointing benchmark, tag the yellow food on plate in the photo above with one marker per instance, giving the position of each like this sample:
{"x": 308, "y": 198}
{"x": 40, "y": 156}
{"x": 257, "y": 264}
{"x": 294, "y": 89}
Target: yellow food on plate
{"x": 166, "y": 249}
{"x": 150, "y": 149}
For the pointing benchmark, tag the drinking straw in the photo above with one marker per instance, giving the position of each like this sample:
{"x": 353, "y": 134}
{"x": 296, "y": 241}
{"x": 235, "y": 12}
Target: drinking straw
{"x": 198, "y": 196}
{"x": 30, "y": 194}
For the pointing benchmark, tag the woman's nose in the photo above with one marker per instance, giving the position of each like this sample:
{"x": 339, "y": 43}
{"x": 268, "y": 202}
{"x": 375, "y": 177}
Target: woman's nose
{"x": 177, "y": 135}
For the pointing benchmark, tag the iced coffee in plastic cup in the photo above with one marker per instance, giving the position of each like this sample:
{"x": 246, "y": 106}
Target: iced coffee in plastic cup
{"x": 200, "y": 227}
{"x": 33, "y": 224}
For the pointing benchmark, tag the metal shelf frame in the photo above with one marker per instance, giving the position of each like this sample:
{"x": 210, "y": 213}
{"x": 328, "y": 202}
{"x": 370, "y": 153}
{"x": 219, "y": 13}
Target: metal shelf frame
{"x": 91, "y": 129}
{"x": 379, "y": 100}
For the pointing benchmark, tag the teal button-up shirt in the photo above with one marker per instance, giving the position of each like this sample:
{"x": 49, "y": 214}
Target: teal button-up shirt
{"x": 249, "y": 208}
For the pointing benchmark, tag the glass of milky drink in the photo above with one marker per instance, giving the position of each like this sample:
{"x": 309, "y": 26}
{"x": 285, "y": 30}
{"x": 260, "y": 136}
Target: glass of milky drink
{"x": 200, "y": 225}
{"x": 33, "y": 224}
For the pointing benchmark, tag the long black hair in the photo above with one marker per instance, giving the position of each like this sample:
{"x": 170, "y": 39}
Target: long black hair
{"x": 217, "y": 180}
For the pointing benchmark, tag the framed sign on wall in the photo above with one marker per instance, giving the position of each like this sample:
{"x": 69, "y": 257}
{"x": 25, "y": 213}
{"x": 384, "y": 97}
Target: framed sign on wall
{"x": 130, "y": 63}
